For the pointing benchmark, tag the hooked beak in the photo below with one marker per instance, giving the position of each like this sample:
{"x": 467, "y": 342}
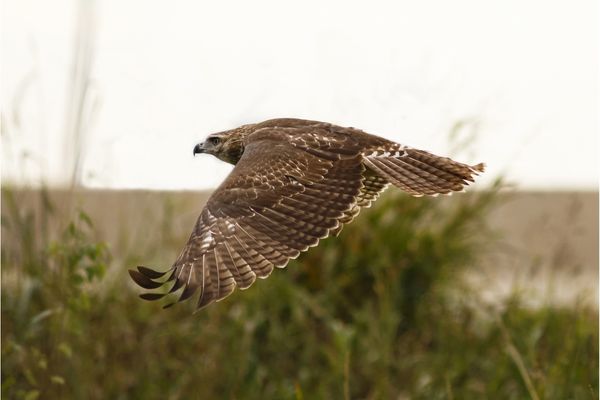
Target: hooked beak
{"x": 199, "y": 148}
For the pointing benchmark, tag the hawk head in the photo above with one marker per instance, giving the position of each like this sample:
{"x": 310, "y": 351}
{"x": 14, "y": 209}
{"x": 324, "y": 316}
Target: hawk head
{"x": 227, "y": 146}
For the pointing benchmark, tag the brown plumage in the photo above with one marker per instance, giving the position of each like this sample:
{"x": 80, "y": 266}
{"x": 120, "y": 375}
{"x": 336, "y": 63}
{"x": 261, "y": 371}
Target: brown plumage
{"x": 295, "y": 182}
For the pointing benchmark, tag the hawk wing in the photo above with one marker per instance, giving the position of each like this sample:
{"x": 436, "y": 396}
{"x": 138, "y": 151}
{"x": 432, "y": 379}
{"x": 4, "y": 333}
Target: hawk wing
{"x": 285, "y": 194}
{"x": 419, "y": 172}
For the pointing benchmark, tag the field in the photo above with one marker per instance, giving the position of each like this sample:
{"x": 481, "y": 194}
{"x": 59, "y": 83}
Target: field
{"x": 484, "y": 295}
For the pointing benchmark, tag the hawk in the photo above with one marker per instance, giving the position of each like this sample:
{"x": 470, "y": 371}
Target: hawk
{"x": 295, "y": 182}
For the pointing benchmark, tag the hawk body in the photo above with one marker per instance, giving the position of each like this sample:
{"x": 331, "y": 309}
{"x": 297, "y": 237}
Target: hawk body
{"x": 294, "y": 182}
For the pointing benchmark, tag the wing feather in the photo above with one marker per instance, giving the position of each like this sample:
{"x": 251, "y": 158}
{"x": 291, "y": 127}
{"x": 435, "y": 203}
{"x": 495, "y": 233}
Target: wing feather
{"x": 419, "y": 172}
{"x": 273, "y": 206}
{"x": 372, "y": 188}
{"x": 260, "y": 266}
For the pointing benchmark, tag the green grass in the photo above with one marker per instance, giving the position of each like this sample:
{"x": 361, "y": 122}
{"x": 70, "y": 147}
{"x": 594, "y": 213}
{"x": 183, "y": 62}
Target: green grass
{"x": 380, "y": 312}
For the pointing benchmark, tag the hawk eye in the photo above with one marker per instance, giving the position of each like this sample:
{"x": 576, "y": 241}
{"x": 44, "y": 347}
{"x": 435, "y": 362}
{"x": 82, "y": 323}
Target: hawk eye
{"x": 214, "y": 140}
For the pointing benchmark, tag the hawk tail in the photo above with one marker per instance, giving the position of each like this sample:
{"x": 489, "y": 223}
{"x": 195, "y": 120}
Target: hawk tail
{"x": 419, "y": 172}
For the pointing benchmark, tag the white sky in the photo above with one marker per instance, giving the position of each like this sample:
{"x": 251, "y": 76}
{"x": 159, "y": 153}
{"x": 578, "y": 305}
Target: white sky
{"x": 165, "y": 74}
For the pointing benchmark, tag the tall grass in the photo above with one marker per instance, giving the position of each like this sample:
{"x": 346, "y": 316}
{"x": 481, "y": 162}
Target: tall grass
{"x": 379, "y": 312}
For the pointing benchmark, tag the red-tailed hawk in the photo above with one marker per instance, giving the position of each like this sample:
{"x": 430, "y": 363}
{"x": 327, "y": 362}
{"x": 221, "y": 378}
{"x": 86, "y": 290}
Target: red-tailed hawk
{"x": 294, "y": 182}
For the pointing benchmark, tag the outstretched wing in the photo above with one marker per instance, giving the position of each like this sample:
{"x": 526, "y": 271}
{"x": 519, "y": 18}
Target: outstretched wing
{"x": 283, "y": 196}
{"x": 419, "y": 172}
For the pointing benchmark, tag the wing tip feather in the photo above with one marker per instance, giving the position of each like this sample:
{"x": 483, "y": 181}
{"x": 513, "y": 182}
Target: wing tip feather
{"x": 143, "y": 281}
{"x": 152, "y": 296}
{"x": 478, "y": 168}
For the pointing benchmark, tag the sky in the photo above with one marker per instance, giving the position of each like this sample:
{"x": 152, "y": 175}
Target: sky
{"x": 517, "y": 82}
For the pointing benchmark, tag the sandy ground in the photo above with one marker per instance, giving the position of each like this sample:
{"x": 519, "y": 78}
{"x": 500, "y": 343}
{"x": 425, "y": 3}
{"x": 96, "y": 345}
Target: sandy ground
{"x": 548, "y": 248}
{"x": 547, "y": 241}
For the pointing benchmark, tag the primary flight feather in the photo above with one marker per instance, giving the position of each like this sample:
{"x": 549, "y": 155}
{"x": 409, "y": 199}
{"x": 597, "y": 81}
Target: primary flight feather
{"x": 294, "y": 182}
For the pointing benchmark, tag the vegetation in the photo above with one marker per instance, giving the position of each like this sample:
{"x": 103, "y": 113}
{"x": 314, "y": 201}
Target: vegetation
{"x": 380, "y": 312}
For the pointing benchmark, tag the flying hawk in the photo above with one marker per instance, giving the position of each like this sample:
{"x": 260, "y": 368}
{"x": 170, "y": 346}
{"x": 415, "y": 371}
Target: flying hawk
{"x": 294, "y": 182}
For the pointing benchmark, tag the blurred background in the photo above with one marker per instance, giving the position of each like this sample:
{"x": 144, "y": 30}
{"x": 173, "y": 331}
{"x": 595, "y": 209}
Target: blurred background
{"x": 488, "y": 294}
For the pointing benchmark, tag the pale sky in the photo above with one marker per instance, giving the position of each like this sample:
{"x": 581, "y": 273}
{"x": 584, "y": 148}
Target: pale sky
{"x": 524, "y": 74}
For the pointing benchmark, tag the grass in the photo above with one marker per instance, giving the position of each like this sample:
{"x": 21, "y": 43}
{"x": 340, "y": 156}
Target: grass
{"x": 379, "y": 312}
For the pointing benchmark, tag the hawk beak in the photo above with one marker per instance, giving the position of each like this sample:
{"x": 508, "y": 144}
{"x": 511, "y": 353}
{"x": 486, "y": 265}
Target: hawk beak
{"x": 198, "y": 149}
